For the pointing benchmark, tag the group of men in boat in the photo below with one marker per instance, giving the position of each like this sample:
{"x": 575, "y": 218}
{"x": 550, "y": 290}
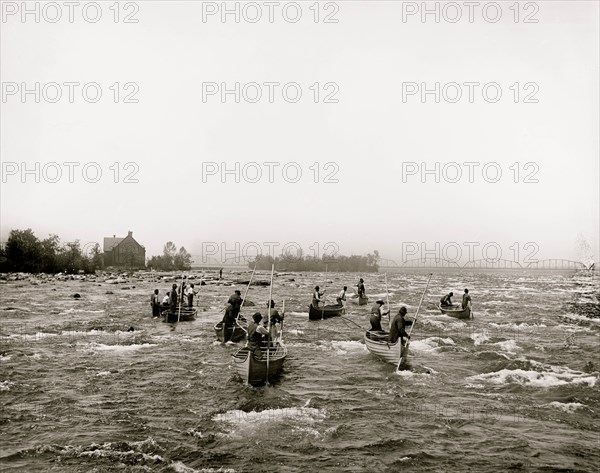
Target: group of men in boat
{"x": 341, "y": 297}
{"x": 397, "y": 325}
{"x": 173, "y": 298}
{"x": 446, "y": 301}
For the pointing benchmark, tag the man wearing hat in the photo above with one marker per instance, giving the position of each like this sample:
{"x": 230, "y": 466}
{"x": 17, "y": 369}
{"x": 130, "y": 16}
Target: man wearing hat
{"x": 255, "y": 335}
{"x": 276, "y": 318}
{"x": 377, "y": 311}
{"x": 397, "y": 328}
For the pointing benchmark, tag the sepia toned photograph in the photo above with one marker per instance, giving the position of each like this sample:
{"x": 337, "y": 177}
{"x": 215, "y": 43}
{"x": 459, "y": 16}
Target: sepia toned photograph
{"x": 293, "y": 236}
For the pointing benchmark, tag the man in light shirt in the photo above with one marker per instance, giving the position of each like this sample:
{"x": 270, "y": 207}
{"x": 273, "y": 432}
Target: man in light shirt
{"x": 341, "y": 297}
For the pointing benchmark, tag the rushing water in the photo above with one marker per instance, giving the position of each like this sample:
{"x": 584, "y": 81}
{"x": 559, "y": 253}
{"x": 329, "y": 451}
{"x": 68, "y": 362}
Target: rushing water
{"x": 516, "y": 388}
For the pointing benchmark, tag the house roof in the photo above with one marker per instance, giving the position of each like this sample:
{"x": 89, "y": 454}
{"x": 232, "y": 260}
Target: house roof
{"x": 110, "y": 243}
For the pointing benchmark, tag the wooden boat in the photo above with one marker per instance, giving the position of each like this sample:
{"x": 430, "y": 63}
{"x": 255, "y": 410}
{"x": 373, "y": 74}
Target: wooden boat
{"x": 378, "y": 344}
{"x": 363, "y": 300}
{"x": 231, "y": 334}
{"x": 456, "y": 311}
{"x": 187, "y": 314}
{"x": 325, "y": 312}
{"x": 254, "y": 371}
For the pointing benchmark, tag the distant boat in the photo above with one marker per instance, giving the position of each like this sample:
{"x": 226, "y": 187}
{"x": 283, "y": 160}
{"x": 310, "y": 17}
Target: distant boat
{"x": 363, "y": 300}
{"x": 187, "y": 314}
{"x": 254, "y": 371}
{"x": 456, "y": 311}
{"x": 231, "y": 334}
{"x": 378, "y": 344}
{"x": 324, "y": 312}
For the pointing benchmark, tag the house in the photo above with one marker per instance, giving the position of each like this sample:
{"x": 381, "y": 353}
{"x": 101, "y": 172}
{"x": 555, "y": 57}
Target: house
{"x": 124, "y": 252}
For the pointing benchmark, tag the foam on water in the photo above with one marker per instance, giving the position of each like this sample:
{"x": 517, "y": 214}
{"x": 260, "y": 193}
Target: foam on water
{"x": 301, "y": 414}
{"x": 549, "y": 377}
{"x": 479, "y": 338}
{"x": 5, "y": 385}
{"x": 118, "y": 348}
{"x": 568, "y": 407}
{"x": 508, "y": 345}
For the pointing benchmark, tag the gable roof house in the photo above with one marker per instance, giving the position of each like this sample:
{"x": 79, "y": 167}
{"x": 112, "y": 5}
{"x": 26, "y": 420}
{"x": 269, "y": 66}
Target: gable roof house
{"x": 124, "y": 252}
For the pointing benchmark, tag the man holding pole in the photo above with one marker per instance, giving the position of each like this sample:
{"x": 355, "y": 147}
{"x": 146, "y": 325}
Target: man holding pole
{"x": 398, "y": 327}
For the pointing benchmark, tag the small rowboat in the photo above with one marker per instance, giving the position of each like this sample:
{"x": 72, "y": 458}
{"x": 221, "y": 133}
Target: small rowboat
{"x": 231, "y": 333}
{"x": 187, "y": 314}
{"x": 378, "y": 344}
{"x": 363, "y": 300}
{"x": 325, "y": 312}
{"x": 456, "y": 311}
{"x": 254, "y": 371}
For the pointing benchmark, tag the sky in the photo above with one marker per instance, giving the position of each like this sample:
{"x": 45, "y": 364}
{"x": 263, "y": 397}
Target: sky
{"x": 362, "y": 160}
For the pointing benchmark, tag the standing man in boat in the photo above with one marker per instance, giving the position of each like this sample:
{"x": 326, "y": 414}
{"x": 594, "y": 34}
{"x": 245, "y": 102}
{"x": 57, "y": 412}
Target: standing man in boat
{"x": 255, "y": 335}
{"x": 377, "y": 311}
{"x": 190, "y": 295}
{"x": 174, "y": 299}
{"x": 446, "y": 301}
{"x": 466, "y": 300}
{"x": 361, "y": 288}
{"x": 341, "y": 296}
{"x": 276, "y": 318}
{"x": 229, "y": 318}
{"x": 236, "y": 301}
{"x": 155, "y": 303}
{"x": 317, "y": 294}
{"x": 398, "y": 327}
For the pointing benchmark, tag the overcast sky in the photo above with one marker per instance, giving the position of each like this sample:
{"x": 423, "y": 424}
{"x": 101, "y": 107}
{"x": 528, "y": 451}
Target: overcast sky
{"x": 370, "y": 136}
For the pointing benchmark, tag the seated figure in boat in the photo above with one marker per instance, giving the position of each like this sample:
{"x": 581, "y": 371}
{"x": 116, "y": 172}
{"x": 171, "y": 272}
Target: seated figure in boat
{"x": 446, "y": 301}
{"x": 255, "y": 335}
{"x": 276, "y": 318}
{"x": 398, "y": 327}
{"x": 377, "y": 311}
{"x": 317, "y": 294}
{"x": 341, "y": 297}
{"x": 466, "y": 300}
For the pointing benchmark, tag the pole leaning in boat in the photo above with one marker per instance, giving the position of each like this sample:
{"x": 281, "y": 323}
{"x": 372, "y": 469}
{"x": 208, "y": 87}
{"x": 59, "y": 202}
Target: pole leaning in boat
{"x": 269, "y": 320}
{"x": 282, "y": 320}
{"x": 387, "y": 298}
{"x": 323, "y": 307}
{"x": 411, "y": 327}
{"x": 180, "y": 299}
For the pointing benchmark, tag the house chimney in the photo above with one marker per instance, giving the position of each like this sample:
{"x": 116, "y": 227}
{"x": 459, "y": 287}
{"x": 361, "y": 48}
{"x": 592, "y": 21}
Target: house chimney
{"x": 129, "y": 233}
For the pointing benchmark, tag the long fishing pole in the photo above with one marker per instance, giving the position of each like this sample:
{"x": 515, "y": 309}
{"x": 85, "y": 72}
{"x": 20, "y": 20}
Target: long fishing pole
{"x": 387, "y": 297}
{"x": 269, "y": 319}
{"x": 323, "y": 307}
{"x": 180, "y": 299}
{"x": 412, "y": 326}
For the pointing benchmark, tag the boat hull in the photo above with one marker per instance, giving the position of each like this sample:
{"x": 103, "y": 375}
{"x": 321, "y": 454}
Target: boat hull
{"x": 187, "y": 314}
{"x": 456, "y": 311}
{"x": 363, "y": 300}
{"x": 324, "y": 312}
{"x": 253, "y": 371}
{"x": 229, "y": 334}
{"x": 379, "y": 346}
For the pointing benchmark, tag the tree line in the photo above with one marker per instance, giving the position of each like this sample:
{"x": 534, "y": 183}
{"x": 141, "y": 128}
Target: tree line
{"x": 24, "y": 252}
{"x": 339, "y": 263}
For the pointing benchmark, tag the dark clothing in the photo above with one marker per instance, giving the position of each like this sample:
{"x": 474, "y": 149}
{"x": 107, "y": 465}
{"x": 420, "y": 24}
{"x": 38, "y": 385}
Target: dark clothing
{"x": 255, "y": 338}
{"x": 229, "y": 317}
{"x": 155, "y": 303}
{"x": 445, "y": 301}
{"x": 173, "y": 300}
{"x": 361, "y": 290}
{"x": 376, "y": 322}
{"x": 397, "y": 329}
{"x": 465, "y": 300}
{"x": 376, "y": 317}
{"x": 236, "y": 302}
{"x": 316, "y": 299}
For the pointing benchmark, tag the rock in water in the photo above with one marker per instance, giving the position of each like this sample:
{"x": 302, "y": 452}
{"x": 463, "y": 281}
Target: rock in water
{"x": 76, "y": 296}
